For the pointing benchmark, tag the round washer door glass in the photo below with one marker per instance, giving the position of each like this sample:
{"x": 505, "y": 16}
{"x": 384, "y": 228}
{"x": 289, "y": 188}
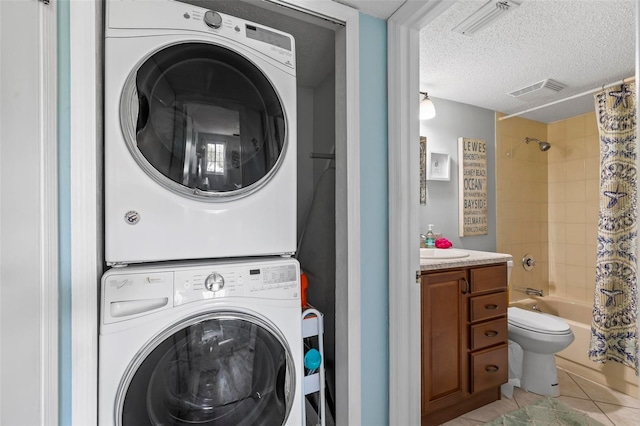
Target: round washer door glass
{"x": 222, "y": 370}
{"x": 203, "y": 121}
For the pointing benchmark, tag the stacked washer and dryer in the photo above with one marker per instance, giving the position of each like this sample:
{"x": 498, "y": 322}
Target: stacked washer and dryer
{"x": 200, "y": 312}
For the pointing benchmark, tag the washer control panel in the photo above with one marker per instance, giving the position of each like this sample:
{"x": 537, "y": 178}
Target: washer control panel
{"x": 136, "y": 291}
{"x": 277, "y": 281}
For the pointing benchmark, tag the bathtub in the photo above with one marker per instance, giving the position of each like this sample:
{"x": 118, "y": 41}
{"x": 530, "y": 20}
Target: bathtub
{"x": 575, "y": 358}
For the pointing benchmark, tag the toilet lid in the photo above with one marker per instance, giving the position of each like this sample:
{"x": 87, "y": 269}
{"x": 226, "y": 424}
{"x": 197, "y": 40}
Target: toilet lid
{"x": 537, "y": 321}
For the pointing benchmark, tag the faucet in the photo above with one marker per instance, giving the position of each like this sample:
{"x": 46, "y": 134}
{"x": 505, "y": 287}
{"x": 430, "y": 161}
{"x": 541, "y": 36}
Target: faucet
{"x": 533, "y": 292}
{"x": 530, "y": 291}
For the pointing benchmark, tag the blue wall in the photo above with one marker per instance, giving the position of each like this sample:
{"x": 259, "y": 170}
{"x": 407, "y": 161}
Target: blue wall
{"x": 374, "y": 221}
{"x": 64, "y": 215}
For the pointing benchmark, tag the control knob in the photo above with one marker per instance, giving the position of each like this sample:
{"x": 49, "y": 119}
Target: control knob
{"x": 213, "y": 19}
{"x": 214, "y": 282}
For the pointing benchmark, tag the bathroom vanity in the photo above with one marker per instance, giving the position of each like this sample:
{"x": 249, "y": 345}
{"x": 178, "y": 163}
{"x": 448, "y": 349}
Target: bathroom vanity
{"x": 463, "y": 332}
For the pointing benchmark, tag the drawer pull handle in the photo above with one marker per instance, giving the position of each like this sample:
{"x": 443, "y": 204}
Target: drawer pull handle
{"x": 467, "y": 288}
{"x": 491, "y": 368}
{"x": 491, "y": 307}
{"x": 491, "y": 333}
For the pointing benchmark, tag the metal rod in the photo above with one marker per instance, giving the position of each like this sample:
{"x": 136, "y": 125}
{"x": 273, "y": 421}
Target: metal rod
{"x": 323, "y": 156}
{"x": 626, "y": 80}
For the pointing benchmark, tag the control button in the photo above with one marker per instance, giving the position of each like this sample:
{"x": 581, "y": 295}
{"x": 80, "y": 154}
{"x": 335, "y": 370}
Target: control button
{"x": 214, "y": 282}
{"x": 213, "y": 19}
{"x": 132, "y": 217}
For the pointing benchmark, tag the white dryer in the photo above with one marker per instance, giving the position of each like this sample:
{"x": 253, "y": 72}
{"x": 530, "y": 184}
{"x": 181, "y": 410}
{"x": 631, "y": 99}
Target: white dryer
{"x": 200, "y": 134}
{"x": 201, "y": 343}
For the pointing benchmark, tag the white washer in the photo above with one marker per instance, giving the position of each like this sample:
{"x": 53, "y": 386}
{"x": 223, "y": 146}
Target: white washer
{"x": 200, "y": 134}
{"x": 201, "y": 343}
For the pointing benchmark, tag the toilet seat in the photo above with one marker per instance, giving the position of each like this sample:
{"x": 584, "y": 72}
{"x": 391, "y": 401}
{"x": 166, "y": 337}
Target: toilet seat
{"x": 537, "y": 321}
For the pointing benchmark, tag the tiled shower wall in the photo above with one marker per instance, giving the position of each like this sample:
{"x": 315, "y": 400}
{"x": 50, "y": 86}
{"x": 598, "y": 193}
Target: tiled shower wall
{"x": 521, "y": 196}
{"x": 573, "y": 173}
{"x": 548, "y": 204}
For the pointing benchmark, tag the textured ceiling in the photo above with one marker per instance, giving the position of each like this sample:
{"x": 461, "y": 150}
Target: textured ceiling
{"x": 583, "y": 44}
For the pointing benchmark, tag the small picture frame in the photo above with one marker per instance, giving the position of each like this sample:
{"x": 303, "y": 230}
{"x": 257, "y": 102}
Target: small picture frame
{"x": 423, "y": 170}
{"x": 438, "y": 165}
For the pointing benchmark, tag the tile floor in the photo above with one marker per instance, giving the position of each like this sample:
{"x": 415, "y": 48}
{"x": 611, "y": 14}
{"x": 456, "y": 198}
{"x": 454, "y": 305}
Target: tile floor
{"x": 609, "y": 407}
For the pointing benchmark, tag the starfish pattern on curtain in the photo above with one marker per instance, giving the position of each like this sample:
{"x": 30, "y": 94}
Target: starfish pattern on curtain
{"x": 614, "y": 331}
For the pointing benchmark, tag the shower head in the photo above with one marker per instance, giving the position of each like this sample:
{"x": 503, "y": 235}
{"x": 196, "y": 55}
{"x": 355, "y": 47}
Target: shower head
{"x": 544, "y": 146}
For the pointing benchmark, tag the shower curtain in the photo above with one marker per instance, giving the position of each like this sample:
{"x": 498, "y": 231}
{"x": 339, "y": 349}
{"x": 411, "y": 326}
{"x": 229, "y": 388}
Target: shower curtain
{"x": 614, "y": 331}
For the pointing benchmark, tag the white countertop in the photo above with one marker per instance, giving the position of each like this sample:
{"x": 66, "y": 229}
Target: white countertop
{"x": 475, "y": 258}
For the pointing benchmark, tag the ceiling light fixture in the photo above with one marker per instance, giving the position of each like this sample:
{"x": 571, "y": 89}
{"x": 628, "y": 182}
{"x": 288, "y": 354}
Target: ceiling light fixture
{"x": 427, "y": 110}
{"x": 482, "y": 17}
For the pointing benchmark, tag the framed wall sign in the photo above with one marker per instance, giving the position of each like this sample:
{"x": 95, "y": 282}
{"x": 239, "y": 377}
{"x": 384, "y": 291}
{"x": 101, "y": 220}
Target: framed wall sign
{"x": 472, "y": 178}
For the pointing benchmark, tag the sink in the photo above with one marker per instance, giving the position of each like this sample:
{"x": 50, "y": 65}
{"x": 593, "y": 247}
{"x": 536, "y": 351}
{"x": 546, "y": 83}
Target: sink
{"x": 430, "y": 253}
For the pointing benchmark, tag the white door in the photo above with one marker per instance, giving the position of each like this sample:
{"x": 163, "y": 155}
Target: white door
{"x": 28, "y": 214}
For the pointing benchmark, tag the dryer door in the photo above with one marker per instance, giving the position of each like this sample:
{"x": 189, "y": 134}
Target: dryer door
{"x": 221, "y": 369}
{"x": 203, "y": 121}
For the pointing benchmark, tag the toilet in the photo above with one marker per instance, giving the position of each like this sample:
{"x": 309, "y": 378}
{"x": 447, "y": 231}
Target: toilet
{"x": 541, "y": 336}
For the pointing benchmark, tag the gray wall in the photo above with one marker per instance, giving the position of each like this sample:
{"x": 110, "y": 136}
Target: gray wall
{"x": 316, "y": 133}
{"x": 452, "y": 121}
{"x": 324, "y": 123}
{"x": 305, "y": 147}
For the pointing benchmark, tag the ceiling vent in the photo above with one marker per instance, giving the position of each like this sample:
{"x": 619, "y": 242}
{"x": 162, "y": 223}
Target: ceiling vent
{"x": 538, "y": 90}
{"x": 484, "y": 16}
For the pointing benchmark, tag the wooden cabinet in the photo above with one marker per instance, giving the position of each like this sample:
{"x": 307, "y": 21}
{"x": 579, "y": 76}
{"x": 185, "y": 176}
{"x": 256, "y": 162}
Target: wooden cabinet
{"x": 443, "y": 336}
{"x": 463, "y": 340}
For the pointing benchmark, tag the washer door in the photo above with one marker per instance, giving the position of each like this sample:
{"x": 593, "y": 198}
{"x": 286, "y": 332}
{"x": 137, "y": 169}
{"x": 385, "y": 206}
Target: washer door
{"x": 221, "y": 369}
{"x": 203, "y": 121}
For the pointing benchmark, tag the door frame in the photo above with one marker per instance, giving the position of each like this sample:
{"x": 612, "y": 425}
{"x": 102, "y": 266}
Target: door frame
{"x": 86, "y": 39}
{"x": 29, "y": 255}
{"x": 404, "y": 303}
{"x": 403, "y": 39}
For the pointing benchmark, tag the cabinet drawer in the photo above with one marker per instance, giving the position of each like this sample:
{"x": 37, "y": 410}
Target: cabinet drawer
{"x": 489, "y": 368}
{"x": 489, "y": 306}
{"x": 488, "y": 334}
{"x": 489, "y": 278}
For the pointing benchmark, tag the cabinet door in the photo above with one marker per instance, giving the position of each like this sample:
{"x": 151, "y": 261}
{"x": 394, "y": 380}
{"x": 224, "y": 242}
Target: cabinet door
{"x": 444, "y": 340}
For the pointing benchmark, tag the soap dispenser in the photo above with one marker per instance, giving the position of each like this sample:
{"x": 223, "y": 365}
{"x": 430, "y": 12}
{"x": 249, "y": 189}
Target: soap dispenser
{"x": 430, "y": 241}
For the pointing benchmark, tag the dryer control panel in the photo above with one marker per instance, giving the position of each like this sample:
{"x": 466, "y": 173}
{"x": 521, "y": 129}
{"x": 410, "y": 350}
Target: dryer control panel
{"x": 131, "y": 18}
